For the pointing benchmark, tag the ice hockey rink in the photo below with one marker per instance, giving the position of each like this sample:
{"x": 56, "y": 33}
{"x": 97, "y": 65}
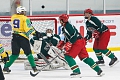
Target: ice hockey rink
{"x": 111, "y": 73}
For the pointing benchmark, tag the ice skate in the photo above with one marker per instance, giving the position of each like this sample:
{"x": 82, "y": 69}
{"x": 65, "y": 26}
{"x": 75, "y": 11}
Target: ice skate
{"x": 35, "y": 70}
{"x": 6, "y": 70}
{"x": 113, "y": 62}
{"x": 100, "y": 63}
{"x": 100, "y": 73}
{"x": 75, "y": 75}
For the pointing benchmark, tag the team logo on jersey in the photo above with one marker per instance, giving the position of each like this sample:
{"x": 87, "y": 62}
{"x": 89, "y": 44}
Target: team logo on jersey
{"x": 46, "y": 47}
{"x": 91, "y": 29}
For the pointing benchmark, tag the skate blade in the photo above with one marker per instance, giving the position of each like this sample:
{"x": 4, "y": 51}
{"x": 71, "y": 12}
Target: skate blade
{"x": 4, "y": 72}
{"x": 76, "y": 76}
{"x": 114, "y": 63}
{"x": 101, "y": 64}
{"x": 102, "y": 74}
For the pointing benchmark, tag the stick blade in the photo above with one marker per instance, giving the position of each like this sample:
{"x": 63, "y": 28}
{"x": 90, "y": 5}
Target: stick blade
{"x": 33, "y": 75}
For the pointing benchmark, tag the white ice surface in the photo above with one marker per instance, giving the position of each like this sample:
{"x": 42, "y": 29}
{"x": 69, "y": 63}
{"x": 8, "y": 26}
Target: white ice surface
{"x": 111, "y": 73}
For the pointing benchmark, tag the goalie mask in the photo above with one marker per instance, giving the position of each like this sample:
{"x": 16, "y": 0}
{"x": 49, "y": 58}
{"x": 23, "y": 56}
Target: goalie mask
{"x": 49, "y": 31}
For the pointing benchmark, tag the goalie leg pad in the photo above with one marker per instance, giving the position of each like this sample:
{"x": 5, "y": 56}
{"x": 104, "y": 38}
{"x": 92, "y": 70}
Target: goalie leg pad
{"x": 37, "y": 46}
{"x": 53, "y": 52}
{"x": 39, "y": 64}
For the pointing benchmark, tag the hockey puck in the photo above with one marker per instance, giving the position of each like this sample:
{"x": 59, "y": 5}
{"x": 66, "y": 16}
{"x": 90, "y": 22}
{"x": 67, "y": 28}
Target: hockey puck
{"x": 42, "y": 6}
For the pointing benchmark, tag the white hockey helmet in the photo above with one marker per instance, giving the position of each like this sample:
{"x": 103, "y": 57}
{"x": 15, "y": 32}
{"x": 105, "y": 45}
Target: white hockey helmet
{"x": 20, "y": 9}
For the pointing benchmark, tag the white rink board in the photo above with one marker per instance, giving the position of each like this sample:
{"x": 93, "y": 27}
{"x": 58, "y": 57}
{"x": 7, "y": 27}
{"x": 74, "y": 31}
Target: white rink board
{"x": 78, "y": 22}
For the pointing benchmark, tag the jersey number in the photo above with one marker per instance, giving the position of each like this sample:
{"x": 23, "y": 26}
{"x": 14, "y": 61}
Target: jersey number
{"x": 16, "y": 23}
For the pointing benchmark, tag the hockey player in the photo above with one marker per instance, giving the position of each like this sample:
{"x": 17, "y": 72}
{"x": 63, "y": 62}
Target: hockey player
{"x": 74, "y": 45}
{"x": 43, "y": 45}
{"x": 4, "y": 58}
{"x": 22, "y": 28}
{"x": 99, "y": 31}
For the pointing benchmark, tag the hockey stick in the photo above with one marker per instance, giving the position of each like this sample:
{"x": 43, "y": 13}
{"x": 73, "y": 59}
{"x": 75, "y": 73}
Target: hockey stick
{"x": 33, "y": 75}
{"x": 55, "y": 51}
{"x": 43, "y": 57}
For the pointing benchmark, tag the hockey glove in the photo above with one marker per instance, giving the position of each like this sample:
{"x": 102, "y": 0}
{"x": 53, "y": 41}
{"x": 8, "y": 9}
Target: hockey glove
{"x": 96, "y": 34}
{"x": 38, "y": 34}
{"x": 60, "y": 45}
{"x": 5, "y": 57}
{"x": 67, "y": 46}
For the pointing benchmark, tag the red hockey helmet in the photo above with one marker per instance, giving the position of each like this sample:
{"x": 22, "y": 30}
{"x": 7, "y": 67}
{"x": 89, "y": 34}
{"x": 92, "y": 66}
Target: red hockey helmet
{"x": 64, "y": 17}
{"x": 88, "y": 11}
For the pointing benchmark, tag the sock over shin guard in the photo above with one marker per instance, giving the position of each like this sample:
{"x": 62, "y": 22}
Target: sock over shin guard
{"x": 98, "y": 54}
{"x": 91, "y": 63}
{"x": 31, "y": 60}
{"x": 72, "y": 64}
{"x": 12, "y": 59}
{"x": 108, "y": 53}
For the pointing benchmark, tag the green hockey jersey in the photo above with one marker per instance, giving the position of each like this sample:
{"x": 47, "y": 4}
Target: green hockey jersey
{"x": 71, "y": 33}
{"x": 94, "y": 24}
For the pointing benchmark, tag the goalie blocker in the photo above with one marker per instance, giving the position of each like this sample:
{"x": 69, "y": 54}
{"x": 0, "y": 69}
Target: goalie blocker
{"x": 58, "y": 62}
